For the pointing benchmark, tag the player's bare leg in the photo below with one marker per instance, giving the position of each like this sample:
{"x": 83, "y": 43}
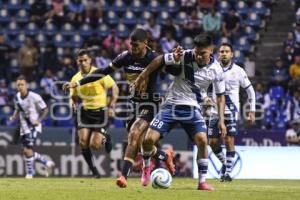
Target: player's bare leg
{"x": 201, "y": 142}
{"x": 84, "y": 140}
{"x": 135, "y": 137}
{"x": 96, "y": 140}
{"x": 149, "y": 150}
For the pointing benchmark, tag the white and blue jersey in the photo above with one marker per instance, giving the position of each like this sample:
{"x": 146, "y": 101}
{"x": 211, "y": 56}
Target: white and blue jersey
{"x": 185, "y": 95}
{"x": 235, "y": 77}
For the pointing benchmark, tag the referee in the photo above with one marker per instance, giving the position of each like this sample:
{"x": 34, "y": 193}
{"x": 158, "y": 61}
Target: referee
{"x": 94, "y": 110}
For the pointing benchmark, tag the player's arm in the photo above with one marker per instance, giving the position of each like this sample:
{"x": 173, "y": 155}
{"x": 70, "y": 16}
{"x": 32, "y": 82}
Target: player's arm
{"x": 43, "y": 115}
{"x": 14, "y": 115}
{"x": 115, "y": 94}
{"x": 41, "y": 105}
{"x": 219, "y": 86}
{"x": 169, "y": 59}
{"x": 246, "y": 84}
{"x": 73, "y": 103}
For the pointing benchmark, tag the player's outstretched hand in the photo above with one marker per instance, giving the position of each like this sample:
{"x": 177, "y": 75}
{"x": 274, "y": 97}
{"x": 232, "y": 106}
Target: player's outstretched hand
{"x": 69, "y": 85}
{"x": 251, "y": 118}
{"x": 139, "y": 85}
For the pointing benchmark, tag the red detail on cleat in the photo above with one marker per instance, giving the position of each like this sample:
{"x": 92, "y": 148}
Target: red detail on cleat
{"x": 145, "y": 179}
{"x": 122, "y": 182}
{"x": 169, "y": 162}
{"x": 205, "y": 186}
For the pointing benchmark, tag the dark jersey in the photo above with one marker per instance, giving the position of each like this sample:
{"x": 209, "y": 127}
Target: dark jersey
{"x": 132, "y": 68}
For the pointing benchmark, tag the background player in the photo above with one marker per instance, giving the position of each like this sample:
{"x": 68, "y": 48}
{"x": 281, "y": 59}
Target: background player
{"x": 31, "y": 109}
{"x": 198, "y": 70}
{"x": 92, "y": 118}
{"x": 234, "y": 77}
{"x": 134, "y": 62}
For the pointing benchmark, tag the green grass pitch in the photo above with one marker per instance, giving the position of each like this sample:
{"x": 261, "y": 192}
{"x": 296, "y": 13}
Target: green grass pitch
{"x": 181, "y": 189}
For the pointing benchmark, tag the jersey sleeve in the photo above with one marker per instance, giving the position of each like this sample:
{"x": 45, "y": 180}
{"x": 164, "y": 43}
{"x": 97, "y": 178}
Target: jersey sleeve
{"x": 73, "y": 91}
{"x": 108, "y": 81}
{"x": 219, "y": 84}
{"x": 119, "y": 61}
{"x": 244, "y": 80}
{"x": 39, "y": 102}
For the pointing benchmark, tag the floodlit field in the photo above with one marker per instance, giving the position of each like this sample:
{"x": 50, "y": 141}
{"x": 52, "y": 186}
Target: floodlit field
{"x": 183, "y": 189}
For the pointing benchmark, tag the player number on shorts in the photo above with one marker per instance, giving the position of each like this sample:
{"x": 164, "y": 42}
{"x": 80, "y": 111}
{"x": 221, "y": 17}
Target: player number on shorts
{"x": 157, "y": 123}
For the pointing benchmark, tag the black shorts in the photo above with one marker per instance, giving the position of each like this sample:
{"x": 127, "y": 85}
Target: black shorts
{"x": 96, "y": 120}
{"x": 143, "y": 110}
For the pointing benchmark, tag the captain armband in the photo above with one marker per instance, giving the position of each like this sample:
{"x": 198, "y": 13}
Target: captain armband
{"x": 169, "y": 59}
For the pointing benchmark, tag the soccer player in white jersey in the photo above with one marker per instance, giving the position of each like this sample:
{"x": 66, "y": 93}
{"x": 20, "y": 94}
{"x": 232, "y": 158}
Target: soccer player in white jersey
{"x": 235, "y": 77}
{"x": 31, "y": 109}
{"x": 197, "y": 70}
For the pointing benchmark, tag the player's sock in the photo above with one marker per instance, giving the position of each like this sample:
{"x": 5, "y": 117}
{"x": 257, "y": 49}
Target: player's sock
{"x": 160, "y": 155}
{"x": 29, "y": 165}
{"x": 202, "y": 169}
{"x": 229, "y": 161}
{"x": 220, "y": 155}
{"x": 127, "y": 167}
{"x": 88, "y": 156}
{"x": 40, "y": 158}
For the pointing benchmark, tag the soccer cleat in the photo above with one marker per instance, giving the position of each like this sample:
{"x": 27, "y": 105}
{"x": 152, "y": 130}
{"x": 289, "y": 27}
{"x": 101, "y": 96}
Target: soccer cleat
{"x": 226, "y": 178}
{"x": 108, "y": 143}
{"x": 122, "y": 182}
{"x": 29, "y": 176}
{"x": 49, "y": 168}
{"x": 145, "y": 179}
{"x": 169, "y": 162}
{"x": 96, "y": 173}
{"x": 205, "y": 186}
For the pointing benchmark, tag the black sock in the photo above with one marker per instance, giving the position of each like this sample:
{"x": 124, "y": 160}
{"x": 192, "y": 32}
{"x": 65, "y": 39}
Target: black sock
{"x": 88, "y": 156}
{"x": 126, "y": 168}
{"x": 160, "y": 155}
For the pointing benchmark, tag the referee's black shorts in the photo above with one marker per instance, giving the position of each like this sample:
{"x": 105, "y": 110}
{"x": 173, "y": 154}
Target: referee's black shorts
{"x": 93, "y": 119}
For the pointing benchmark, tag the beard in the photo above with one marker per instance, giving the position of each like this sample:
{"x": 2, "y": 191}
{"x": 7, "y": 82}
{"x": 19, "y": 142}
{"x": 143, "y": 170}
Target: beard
{"x": 225, "y": 62}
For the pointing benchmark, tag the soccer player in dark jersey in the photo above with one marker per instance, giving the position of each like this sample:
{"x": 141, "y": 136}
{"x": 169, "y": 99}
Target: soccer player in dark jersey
{"x": 134, "y": 62}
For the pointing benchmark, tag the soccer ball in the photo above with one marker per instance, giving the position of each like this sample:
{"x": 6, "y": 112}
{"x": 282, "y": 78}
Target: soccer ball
{"x": 161, "y": 178}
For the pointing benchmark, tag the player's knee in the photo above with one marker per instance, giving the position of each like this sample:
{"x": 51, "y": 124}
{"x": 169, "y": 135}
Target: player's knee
{"x": 214, "y": 144}
{"x": 95, "y": 146}
{"x": 83, "y": 144}
{"x": 27, "y": 152}
{"x": 133, "y": 137}
{"x": 200, "y": 139}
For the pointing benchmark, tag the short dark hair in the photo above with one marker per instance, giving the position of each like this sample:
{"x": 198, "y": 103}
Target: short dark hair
{"x": 227, "y": 45}
{"x": 21, "y": 78}
{"x": 139, "y": 34}
{"x": 203, "y": 40}
{"x": 82, "y": 52}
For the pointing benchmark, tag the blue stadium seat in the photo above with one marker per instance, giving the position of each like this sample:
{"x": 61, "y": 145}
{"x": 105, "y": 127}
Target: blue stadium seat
{"x": 49, "y": 29}
{"x": 86, "y": 30}
{"x": 239, "y": 57}
{"x": 67, "y": 30}
{"x": 6, "y": 111}
{"x": 251, "y": 34}
{"x": 180, "y": 18}
{"x": 118, "y": 7}
{"x": 242, "y": 44}
{"x": 13, "y": 29}
{"x": 14, "y": 5}
{"x": 171, "y": 7}
{"x": 187, "y": 43}
{"x": 76, "y": 41}
{"x": 31, "y": 29}
{"x": 103, "y": 30}
{"x": 41, "y": 39}
{"x": 137, "y": 7}
{"x": 179, "y": 32}
{"x": 118, "y": 123}
{"x": 130, "y": 19}
{"x": 112, "y": 18}
{"x": 27, "y": 4}
{"x": 144, "y": 17}
{"x": 242, "y": 8}
{"x": 224, "y": 7}
{"x": 276, "y": 92}
{"x": 223, "y": 40}
{"x": 4, "y": 16}
{"x": 59, "y": 40}
{"x": 47, "y": 122}
{"x": 253, "y": 20}
{"x": 154, "y": 7}
{"x": 22, "y": 17}
{"x": 260, "y": 9}
{"x": 162, "y": 17}
{"x": 122, "y": 31}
